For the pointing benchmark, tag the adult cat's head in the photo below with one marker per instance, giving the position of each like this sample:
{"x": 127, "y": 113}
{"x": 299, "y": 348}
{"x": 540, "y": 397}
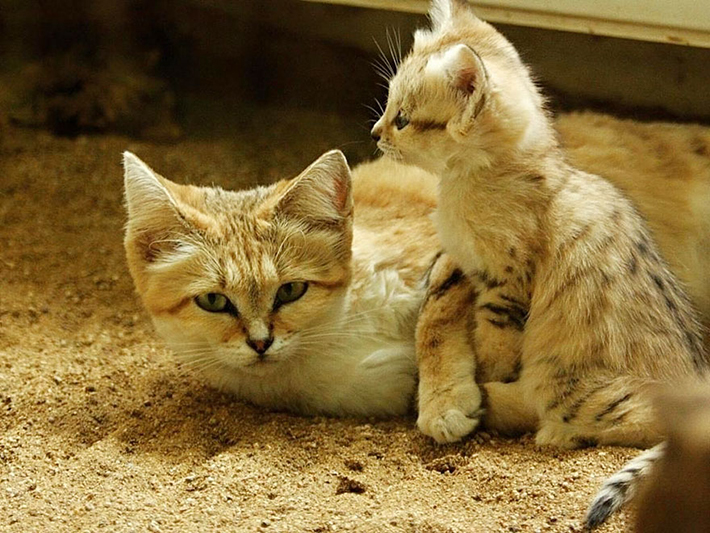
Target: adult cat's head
{"x": 462, "y": 91}
{"x": 238, "y": 279}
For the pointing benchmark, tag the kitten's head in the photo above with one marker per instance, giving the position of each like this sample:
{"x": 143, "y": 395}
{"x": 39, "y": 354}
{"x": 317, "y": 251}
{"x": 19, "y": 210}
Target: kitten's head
{"x": 462, "y": 89}
{"x": 238, "y": 279}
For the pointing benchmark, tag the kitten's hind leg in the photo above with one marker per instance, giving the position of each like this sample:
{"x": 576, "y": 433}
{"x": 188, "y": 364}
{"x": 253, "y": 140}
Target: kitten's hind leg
{"x": 449, "y": 398}
{"x": 506, "y": 410}
{"x": 601, "y": 410}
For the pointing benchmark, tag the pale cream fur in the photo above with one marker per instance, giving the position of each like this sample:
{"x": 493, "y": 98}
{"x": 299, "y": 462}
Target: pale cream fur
{"x": 564, "y": 265}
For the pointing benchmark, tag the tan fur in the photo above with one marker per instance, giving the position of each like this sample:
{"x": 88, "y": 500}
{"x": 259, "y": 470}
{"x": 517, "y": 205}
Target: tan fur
{"x": 560, "y": 257}
{"x": 665, "y": 170}
{"x": 443, "y": 335}
{"x": 394, "y": 204}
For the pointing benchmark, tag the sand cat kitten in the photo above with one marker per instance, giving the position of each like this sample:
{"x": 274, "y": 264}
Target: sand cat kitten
{"x": 275, "y": 295}
{"x": 565, "y": 266}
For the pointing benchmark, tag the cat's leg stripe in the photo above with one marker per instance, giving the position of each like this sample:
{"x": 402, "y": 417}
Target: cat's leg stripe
{"x": 569, "y": 390}
{"x": 612, "y": 406}
{"x": 515, "y": 316}
{"x": 512, "y": 300}
{"x": 455, "y": 278}
{"x": 489, "y": 281}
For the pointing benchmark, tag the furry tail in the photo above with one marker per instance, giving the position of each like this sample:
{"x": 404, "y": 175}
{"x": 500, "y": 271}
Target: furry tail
{"x": 621, "y": 487}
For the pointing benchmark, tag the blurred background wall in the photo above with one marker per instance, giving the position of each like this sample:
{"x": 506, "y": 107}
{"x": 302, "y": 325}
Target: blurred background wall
{"x": 165, "y": 68}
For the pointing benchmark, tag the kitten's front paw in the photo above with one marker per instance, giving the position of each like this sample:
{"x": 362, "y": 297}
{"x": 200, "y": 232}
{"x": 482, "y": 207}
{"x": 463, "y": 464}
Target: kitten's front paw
{"x": 557, "y": 436}
{"x": 451, "y": 416}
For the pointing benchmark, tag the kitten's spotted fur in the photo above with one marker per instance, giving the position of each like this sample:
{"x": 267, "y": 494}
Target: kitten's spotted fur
{"x": 567, "y": 271}
{"x": 346, "y": 345}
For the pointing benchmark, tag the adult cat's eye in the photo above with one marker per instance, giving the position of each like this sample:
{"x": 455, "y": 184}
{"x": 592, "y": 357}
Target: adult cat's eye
{"x": 400, "y": 121}
{"x": 290, "y": 292}
{"x": 214, "y": 302}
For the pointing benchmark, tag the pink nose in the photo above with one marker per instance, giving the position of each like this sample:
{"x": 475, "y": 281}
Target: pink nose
{"x": 260, "y": 346}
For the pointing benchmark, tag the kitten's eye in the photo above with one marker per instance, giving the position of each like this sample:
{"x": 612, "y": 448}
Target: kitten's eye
{"x": 290, "y": 292}
{"x": 213, "y": 302}
{"x": 401, "y": 121}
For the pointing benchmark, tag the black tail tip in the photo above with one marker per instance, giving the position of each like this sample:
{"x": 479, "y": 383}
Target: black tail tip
{"x": 600, "y": 510}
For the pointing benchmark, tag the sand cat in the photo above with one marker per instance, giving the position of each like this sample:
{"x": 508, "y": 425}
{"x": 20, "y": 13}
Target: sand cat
{"x": 276, "y": 294}
{"x": 566, "y": 270}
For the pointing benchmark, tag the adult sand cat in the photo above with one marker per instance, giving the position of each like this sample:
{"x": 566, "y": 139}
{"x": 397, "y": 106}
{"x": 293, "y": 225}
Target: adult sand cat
{"x": 566, "y": 269}
{"x": 275, "y": 295}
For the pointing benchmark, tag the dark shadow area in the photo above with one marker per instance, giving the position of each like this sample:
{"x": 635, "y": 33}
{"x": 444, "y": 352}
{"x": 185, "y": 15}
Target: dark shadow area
{"x": 162, "y": 70}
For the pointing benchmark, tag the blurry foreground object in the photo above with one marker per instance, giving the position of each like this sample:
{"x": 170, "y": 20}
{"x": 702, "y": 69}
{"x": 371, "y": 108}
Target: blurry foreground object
{"x": 676, "y": 497}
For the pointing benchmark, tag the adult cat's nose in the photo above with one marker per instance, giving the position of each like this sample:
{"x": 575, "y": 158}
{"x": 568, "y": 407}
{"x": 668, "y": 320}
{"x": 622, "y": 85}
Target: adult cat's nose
{"x": 260, "y": 346}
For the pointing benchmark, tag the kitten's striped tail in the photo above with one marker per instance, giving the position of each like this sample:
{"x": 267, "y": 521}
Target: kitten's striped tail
{"x": 621, "y": 487}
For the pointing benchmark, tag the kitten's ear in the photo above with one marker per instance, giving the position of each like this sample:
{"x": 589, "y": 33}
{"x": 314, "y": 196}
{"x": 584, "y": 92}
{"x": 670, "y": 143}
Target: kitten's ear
{"x": 464, "y": 69}
{"x": 156, "y": 215}
{"x": 446, "y": 13}
{"x": 321, "y": 194}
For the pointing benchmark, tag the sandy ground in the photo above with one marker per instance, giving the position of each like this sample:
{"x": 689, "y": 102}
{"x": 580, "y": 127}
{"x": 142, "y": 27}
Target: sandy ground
{"x": 101, "y": 430}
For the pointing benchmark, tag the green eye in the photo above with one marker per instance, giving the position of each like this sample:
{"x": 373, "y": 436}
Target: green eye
{"x": 401, "y": 121}
{"x": 290, "y": 292}
{"x": 214, "y": 302}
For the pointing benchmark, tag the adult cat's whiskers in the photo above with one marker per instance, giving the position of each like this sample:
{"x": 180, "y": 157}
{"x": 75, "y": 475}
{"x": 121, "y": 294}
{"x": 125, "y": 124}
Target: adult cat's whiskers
{"x": 353, "y": 320}
{"x": 196, "y": 351}
{"x": 202, "y": 365}
{"x": 351, "y": 329}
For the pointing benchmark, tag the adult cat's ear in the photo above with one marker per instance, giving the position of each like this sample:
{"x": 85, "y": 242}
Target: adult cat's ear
{"x": 160, "y": 220}
{"x": 321, "y": 194}
{"x": 465, "y": 71}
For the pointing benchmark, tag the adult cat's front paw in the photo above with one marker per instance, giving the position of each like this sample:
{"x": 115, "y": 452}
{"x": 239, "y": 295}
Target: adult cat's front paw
{"x": 450, "y": 416}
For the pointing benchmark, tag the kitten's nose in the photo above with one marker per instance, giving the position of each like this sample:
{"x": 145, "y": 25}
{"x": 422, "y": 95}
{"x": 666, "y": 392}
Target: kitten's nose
{"x": 375, "y": 134}
{"x": 260, "y": 346}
